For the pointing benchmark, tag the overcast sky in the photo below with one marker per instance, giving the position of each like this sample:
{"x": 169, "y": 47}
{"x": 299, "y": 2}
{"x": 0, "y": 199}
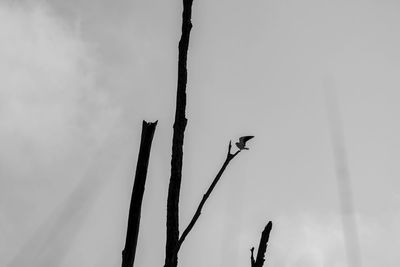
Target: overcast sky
{"x": 78, "y": 78}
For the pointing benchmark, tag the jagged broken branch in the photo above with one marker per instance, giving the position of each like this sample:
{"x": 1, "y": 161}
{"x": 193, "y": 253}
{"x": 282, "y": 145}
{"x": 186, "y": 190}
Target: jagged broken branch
{"x": 262, "y": 247}
{"x": 128, "y": 254}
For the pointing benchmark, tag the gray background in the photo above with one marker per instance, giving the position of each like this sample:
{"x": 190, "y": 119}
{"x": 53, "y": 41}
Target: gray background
{"x": 77, "y": 78}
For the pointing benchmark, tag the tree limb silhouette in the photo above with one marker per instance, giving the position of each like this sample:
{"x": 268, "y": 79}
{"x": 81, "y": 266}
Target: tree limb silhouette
{"x": 262, "y": 247}
{"x": 197, "y": 214}
{"x": 177, "y": 141}
{"x": 128, "y": 254}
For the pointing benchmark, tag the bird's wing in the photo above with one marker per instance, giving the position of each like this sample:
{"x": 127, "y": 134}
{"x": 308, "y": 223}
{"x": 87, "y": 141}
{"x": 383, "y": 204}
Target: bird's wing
{"x": 244, "y": 139}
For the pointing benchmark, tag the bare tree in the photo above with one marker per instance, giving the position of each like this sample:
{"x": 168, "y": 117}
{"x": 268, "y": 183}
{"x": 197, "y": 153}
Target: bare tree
{"x": 173, "y": 240}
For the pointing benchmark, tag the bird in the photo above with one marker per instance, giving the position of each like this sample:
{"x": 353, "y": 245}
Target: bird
{"x": 242, "y": 142}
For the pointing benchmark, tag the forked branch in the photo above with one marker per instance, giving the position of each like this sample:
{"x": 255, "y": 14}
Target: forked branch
{"x": 229, "y": 157}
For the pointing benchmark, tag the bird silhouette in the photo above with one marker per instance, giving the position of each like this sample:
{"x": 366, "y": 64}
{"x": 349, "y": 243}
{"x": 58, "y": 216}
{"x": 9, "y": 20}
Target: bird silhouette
{"x": 242, "y": 142}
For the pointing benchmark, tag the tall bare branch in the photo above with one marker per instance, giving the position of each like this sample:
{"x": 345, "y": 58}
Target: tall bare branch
{"x": 177, "y": 141}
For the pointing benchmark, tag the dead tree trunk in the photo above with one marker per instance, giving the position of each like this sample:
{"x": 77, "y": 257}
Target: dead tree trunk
{"x": 177, "y": 141}
{"x": 128, "y": 254}
{"x": 262, "y": 247}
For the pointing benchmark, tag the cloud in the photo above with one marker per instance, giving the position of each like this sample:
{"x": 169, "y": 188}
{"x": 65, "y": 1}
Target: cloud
{"x": 48, "y": 91}
{"x": 306, "y": 241}
{"x": 53, "y": 118}
{"x": 313, "y": 241}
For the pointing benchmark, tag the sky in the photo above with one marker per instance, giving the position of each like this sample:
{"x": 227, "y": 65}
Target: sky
{"x": 78, "y": 78}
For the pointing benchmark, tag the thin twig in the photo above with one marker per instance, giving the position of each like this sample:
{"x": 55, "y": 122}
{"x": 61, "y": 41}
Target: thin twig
{"x": 229, "y": 157}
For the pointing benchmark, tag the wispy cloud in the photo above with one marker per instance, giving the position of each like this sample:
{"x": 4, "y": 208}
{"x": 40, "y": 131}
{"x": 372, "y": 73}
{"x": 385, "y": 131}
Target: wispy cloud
{"x": 53, "y": 119}
{"x": 47, "y": 87}
{"x": 310, "y": 240}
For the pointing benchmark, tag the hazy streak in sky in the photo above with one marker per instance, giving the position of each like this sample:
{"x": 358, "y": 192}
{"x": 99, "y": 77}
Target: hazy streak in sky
{"x": 350, "y": 229}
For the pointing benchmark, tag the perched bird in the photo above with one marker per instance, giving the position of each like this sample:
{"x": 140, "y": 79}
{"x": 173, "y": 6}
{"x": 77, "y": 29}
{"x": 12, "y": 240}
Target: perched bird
{"x": 242, "y": 142}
